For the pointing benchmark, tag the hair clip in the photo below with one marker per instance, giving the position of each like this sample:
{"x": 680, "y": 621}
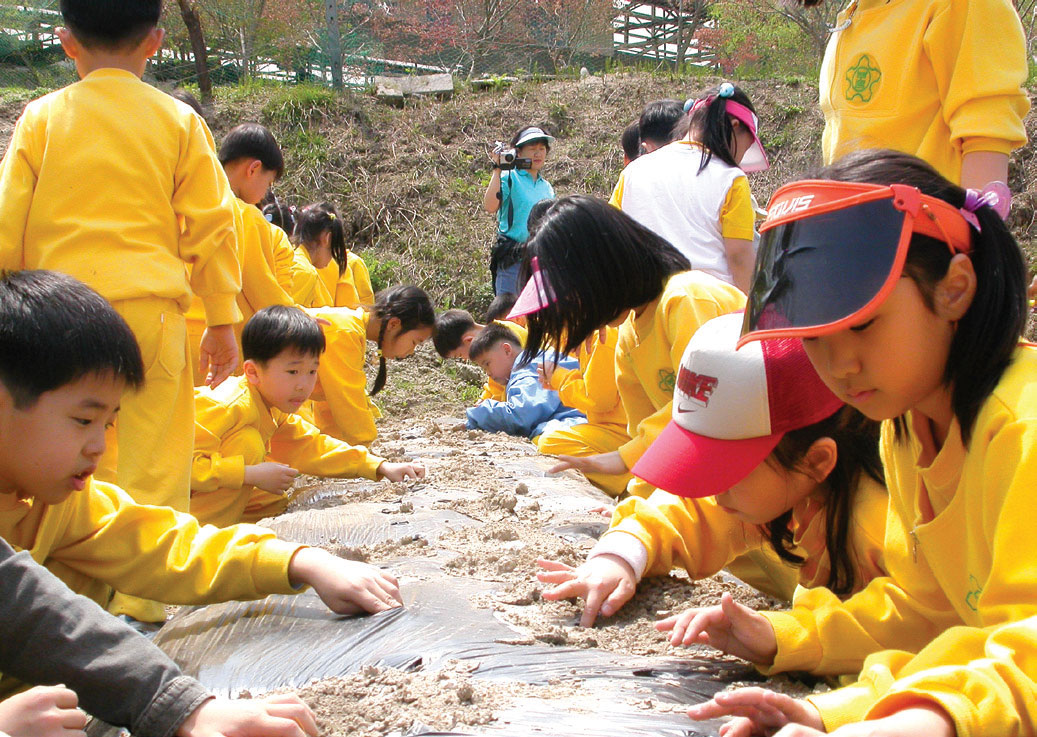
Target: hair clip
{"x": 995, "y": 195}
{"x": 726, "y": 90}
{"x": 331, "y": 216}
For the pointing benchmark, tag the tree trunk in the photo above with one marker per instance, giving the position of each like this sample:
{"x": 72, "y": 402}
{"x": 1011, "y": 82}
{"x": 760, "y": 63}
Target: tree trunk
{"x": 198, "y": 48}
{"x": 334, "y": 45}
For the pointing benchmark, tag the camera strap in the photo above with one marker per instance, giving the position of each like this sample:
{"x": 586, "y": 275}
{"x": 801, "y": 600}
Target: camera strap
{"x": 511, "y": 205}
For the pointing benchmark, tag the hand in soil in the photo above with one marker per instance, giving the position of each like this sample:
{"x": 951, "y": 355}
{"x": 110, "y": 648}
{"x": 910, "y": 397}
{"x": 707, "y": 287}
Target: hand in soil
{"x": 282, "y": 715}
{"x": 759, "y": 711}
{"x": 609, "y": 463}
{"x": 730, "y": 627}
{"x": 605, "y": 582}
{"x": 44, "y": 711}
{"x": 346, "y": 586}
{"x": 401, "y": 471}
{"x": 277, "y": 478}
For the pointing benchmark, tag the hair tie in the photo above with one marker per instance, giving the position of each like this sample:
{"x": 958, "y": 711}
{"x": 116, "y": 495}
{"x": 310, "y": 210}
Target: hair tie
{"x": 726, "y": 90}
{"x": 995, "y": 195}
{"x": 331, "y": 216}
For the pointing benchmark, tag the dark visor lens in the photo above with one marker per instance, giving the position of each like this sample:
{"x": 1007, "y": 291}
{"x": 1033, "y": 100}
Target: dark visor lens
{"x": 821, "y": 269}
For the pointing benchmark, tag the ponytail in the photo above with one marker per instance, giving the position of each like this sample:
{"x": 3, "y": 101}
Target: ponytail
{"x": 707, "y": 122}
{"x": 857, "y": 442}
{"x": 315, "y": 220}
{"x": 412, "y": 307}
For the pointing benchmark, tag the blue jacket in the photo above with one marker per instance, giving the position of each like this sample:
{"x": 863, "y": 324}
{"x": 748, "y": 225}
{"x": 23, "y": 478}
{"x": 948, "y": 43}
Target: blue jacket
{"x": 527, "y": 407}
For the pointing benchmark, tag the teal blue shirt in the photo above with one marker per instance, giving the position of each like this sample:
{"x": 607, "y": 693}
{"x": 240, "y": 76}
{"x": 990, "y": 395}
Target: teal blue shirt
{"x": 518, "y": 187}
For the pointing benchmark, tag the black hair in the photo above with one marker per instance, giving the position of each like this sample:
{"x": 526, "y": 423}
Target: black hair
{"x": 489, "y": 337}
{"x": 515, "y": 138}
{"x": 536, "y": 215}
{"x": 112, "y": 25}
{"x": 451, "y": 327}
{"x": 857, "y": 454}
{"x": 55, "y": 330}
{"x": 712, "y": 127}
{"x": 313, "y": 221}
{"x": 631, "y": 140}
{"x": 279, "y": 328}
{"x": 500, "y": 307}
{"x": 600, "y": 263}
{"x": 412, "y": 307}
{"x": 252, "y": 141}
{"x": 281, "y": 215}
{"x": 987, "y": 335}
{"x": 188, "y": 99}
{"x": 658, "y": 120}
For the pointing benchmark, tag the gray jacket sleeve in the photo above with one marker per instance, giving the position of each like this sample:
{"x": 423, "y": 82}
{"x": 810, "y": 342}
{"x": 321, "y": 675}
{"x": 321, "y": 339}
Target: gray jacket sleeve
{"x": 51, "y": 635}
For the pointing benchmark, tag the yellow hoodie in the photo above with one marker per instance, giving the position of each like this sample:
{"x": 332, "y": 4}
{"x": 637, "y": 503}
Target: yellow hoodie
{"x": 650, "y": 347}
{"x": 592, "y": 388}
{"x": 933, "y": 78}
{"x": 967, "y": 563}
{"x": 234, "y": 428}
{"x": 657, "y": 534}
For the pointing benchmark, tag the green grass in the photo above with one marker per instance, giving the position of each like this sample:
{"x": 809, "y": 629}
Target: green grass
{"x": 299, "y": 104}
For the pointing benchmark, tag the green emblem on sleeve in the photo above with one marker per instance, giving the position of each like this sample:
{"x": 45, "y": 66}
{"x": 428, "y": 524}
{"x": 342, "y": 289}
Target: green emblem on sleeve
{"x": 862, "y": 79}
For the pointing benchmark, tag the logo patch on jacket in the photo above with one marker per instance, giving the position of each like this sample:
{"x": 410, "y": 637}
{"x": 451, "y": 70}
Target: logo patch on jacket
{"x": 667, "y": 379}
{"x": 862, "y": 79}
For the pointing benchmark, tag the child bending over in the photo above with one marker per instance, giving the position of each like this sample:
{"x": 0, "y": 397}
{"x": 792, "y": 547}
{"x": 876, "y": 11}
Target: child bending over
{"x": 249, "y": 419}
{"x": 455, "y": 331}
{"x": 66, "y": 359}
{"x": 528, "y": 409}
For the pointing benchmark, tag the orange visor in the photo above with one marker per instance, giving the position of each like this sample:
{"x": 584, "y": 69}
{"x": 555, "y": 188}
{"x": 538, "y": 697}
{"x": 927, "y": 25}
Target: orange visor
{"x": 831, "y": 252}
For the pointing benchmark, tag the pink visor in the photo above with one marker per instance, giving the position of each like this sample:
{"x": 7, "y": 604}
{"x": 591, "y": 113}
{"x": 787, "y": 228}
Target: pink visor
{"x": 755, "y": 159}
{"x": 535, "y": 296}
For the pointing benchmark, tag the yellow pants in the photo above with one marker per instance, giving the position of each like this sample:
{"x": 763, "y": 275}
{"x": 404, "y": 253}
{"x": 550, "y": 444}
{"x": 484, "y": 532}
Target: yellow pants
{"x": 587, "y": 440}
{"x": 149, "y": 447}
{"x": 195, "y": 330}
{"x": 227, "y": 507}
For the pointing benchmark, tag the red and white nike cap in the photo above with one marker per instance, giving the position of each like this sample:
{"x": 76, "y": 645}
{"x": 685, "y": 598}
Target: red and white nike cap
{"x": 730, "y": 408}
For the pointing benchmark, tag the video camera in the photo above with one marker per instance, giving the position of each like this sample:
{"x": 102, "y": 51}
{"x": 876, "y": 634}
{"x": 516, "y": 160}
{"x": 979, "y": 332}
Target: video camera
{"x": 509, "y": 159}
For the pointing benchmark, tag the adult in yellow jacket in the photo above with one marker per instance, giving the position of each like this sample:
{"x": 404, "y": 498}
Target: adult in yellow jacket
{"x": 591, "y": 389}
{"x": 66, "y": 360}
{"x": 128, "y": 209}
{"x": 940, "y": 79}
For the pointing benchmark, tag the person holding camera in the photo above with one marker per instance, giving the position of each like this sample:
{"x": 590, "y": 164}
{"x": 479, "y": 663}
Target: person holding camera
{"x": 515, "y": 186}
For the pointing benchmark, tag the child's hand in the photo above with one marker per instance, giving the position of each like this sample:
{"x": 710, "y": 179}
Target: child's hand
{"x": 347, "y": 587}
{"x": 605, "y": 582}
{"x": 219, "y": 354}
{"x": 44, "y": 711}
{"x": 284, "y": 715}
{"x": 609, "y": 463}
{"x": 760, "y": 711}
{"x": 545, "y": 371}
{"x": 401, "y": 471}
{"x": 277, "y": 478}
{"x": 729, "y": 627}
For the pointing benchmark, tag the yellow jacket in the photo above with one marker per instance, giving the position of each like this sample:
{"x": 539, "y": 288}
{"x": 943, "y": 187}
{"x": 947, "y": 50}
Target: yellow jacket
{"x": 934, "y": 78}
{"x": 99, "y": 539}
{"x": 283, "y": 257}
{"x": 592, "y": 388}
{"x": 966, "y": 564}
{"x": 657, "y": 534}
{"x": 234, "y": 428}
{"x": 352, "y": 288}
{"x": 308, "y": 288}
{"x": 650, "y": 347}
{"x": 98, "y": 182}
{"x": 265, "y": 265}
{"x": 493, "y": 389}
{"x": 341, "y": 406}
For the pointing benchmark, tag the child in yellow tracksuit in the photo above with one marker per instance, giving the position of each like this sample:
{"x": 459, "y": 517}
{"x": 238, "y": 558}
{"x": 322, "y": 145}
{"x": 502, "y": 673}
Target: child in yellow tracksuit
{"x": 249, "y": 446}
{"x": 116, "y": 183}
{"x": 320, "y": 231}
{"x": 66, "y": 358}
{"x": 788, "y": 468}
{"x": 401, "y": 319}
{"x": 941, "y": 79}
{"x": 455, "y": 331}
{"x": 252, "y": 161}
{"x": 307, "y": 288}
{"x": 930, "y": 345}
{"x": 586, "y": 252}
{"x": 591, "y": 389}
